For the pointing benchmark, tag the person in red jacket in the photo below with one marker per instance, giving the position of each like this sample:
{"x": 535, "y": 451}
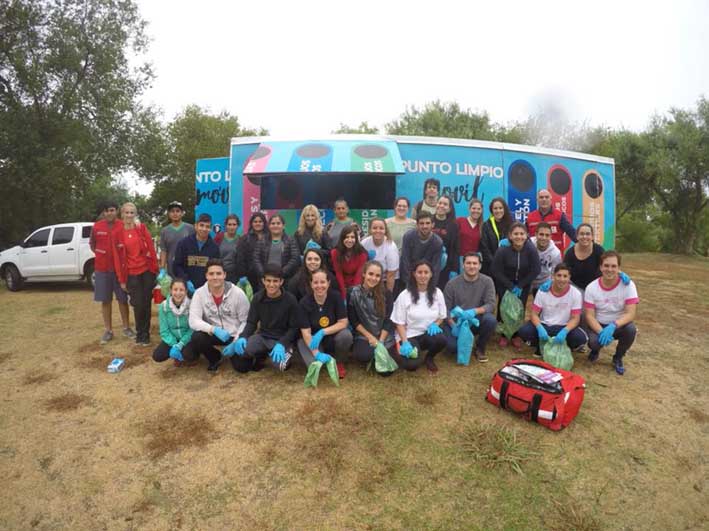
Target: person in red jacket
{"x": 105, "y": 280}
{"x": 348, "y": 259}
{"x": 136, "y": 268}
{"x": 556, "y": 219}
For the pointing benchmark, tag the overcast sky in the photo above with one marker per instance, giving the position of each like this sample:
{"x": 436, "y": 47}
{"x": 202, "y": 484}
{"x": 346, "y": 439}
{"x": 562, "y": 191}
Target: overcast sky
{"x": 302, "y": 68}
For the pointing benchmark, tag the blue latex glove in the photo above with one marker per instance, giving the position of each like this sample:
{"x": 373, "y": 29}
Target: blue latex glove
{"x": 243, "y": 281}
{"x": 452, "y": 275}
{"x": 504, "y": 242}
{"x": 625, "y": 279}
{"x": 221, "y": 334}
{"x": 471, "y": 316}
{"x": 229, "y": 350}
{"x": 316, "y": 339}
{"x": 176, "y": 354}
{"x": 444, "y": 257}
{"x": 516, "y": 291}
{"x": 545, "y": 286}
{"x": 542, "y": 333}
{"x": 278, "y": 353}
{"x": 371, "y": 254}
{"x": 606, "y": 335}
{"x": 322, "y": 358}
{"x": 161, "y": 274}
{"x": 406, "y": 349}
{"x": 312, "y": 245}
{"x": 457, "y": 312}
{"x": 433, "y": 329}
{"x": 240, "y": 345}
{"x": 560, "y": 337}
{"x": 190, "y": 287}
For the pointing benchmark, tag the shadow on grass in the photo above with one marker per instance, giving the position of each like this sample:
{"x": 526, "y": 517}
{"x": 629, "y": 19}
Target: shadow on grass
{"x": 171, "y": 432}
{"x": 39, "y": 378}
{"x": 66, "y": 402}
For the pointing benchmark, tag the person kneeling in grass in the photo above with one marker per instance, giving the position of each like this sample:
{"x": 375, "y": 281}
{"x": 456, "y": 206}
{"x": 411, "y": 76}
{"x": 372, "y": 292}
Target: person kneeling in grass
{"x": 323, "y": 324}
{"x": 175, "y": 330}
{"x": 217, "y": 315}
{"x": 556, "y": 314}
{"x": 609, "y": 308}
{"x": 274, "y": 312}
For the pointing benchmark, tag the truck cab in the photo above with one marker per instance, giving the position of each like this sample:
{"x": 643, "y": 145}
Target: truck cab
{"x": 50, "y": 254}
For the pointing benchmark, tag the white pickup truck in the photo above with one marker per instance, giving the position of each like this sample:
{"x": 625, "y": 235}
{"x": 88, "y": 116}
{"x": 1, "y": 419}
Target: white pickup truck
{"x": 51, "y": 254}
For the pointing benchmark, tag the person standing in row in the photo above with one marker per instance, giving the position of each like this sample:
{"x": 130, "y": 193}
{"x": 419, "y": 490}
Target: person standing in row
{"x": 348, "y": 259}
{"x": 310, "y": 228}
{"x": 445, "y": 225}
{"x": 136, "y": 268}
{"x": 421, "y": 244}
{"x": 342, "y": 220}
{"x": 584, "y": 258}
{"x": 171, "y": 235}
{"x": 556, "y": 219}
{"x": 299, "y": 284}
{"x": 381, "y": 248}
{"x": 429, "y": 203}
{"x": 218, "y": 313}
{"x": 246, "y": 249}
{"x": 494, "y": 230}
{"x": 106, "y": 282}
{"x": 193, "y": 253}
{"x": 549, "y": 255}
{"x": 228, "y": 242}
{"x": 277, "y": 249}
{"x": 400, "y": 223}
{"x": 323, "y": 324}
{"x": 470, "y": 228}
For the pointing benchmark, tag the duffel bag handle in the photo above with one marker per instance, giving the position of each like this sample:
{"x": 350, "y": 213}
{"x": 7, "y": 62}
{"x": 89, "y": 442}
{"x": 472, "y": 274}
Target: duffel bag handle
{"x": 531, "y": 409}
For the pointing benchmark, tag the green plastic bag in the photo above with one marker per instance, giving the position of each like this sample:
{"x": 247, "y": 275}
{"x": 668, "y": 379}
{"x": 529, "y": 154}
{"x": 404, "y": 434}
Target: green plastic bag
{"x": 248, "y": 290}
{"x": 557, "y": 354}
{"x": 414, "y": 353}
{"x": 332, "y": 371}
{"x": 311, "y": 378}
{"x": 164, "y": 284}
{"x": 383, "y": 362}
{"x": 512, "y": 314}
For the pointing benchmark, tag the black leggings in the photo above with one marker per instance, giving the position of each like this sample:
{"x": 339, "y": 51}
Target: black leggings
{"x": 162, "y": 352}
{"x": 431, "y": 344}
{"x": 140, "y": 288}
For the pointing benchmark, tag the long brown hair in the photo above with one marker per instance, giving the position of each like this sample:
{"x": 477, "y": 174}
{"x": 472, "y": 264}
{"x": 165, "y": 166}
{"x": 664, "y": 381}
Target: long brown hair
{"x": 377, "y": 291}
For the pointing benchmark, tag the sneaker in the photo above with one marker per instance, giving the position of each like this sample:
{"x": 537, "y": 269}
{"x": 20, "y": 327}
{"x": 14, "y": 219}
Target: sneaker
{"x": 537, "y": 354}
{"x": 129, "y": 332}
{"x": 177, "y": 363}
{"x": 341, "y": 372}
{"x": 517, "y": 342}
{"x": 480, "y": 356}
{"x": 106, "y": 337}
{"x": 214, "y": 367}
{"x": 618, "y": 364}
{"x": 431, "y": 365}
{"x": 503, "y": 342}
{"x": 593, "y": 356}
{"x": 580, "y": 349}
{"x": 143, "y": 342}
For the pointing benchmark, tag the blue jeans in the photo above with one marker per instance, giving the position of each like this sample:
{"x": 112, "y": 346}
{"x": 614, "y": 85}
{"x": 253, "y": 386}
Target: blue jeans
{"x": 529, "y": 334}
{"x": 488, "y": 323}
{"x": 625, "y": 336}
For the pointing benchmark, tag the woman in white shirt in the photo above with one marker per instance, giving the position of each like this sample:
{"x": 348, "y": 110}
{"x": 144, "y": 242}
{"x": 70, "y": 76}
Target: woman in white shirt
{"x": 381, "y": 248}
{"x": 418, "y": 313}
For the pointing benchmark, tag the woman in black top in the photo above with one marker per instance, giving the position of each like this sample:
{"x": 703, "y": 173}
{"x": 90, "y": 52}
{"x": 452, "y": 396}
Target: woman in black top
{"x": 277, "y": 248}
{"x": 446, "y": 226}
{"x": 584, "y": 258}
{"x": 246, "y": 247}
{"x": 494, "y": 229}
{"x": 369, "y": 309}
{"x": 299, "y": 285}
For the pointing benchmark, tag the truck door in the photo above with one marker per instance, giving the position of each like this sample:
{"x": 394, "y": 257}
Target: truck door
{"x": 34, "y": 257}
{"x": 63, "y": 252}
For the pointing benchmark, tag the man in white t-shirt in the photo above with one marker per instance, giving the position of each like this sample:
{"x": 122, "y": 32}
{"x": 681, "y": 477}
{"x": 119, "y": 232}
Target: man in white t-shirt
{"x": 549, "y": 254}
{"x": 609, "y": 308}
{"x": 556, "y": 313}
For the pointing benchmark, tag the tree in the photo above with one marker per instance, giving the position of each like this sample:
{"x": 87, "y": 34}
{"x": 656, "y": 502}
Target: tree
{"x": 168, "y": 154}
{"x": 363, "y": 128}
{"x": 68, "y": 102}
{"x": 443, "y": 120}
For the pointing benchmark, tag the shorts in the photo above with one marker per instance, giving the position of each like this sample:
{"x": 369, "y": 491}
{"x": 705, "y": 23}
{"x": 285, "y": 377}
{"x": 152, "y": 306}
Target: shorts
{"x": 106, "y": 285}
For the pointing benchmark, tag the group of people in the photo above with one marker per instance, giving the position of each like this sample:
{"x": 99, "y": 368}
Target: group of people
{"x": 324, "y": 292}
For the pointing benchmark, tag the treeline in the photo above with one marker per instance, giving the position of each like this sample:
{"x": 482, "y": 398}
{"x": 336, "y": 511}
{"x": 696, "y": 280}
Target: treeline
{"x": 72, "y": 127}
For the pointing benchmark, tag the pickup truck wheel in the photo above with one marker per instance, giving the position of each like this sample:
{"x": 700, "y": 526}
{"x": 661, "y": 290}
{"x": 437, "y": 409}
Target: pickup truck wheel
{"x": 12, "y": 278}
{"x": 90, "y": 275}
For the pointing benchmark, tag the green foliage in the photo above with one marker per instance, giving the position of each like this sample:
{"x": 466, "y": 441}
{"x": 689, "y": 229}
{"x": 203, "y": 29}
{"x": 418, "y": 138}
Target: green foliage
{"x": 637, "y": 232}
{"x": 68, "y": 103}
{"x": 363, "y": 128}
{"x": 168, "y": 154}
{"x": 443, "y": 120}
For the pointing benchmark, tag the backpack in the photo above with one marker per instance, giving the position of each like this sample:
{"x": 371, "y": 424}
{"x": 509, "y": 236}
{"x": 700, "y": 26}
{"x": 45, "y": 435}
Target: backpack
{"x": 538, "y": 391}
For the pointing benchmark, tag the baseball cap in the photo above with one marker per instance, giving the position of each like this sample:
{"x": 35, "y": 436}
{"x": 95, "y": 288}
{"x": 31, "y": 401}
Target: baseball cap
{"x": 175, "y": 204}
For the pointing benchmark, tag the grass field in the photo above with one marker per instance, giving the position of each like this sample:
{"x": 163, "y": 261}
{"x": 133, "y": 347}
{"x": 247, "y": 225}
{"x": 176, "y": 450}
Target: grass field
{"x": 157, "y": 447}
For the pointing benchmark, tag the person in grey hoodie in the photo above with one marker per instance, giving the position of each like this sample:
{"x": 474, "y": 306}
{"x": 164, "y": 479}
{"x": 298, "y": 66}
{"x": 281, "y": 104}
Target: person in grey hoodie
{"x": 218, "y": 314}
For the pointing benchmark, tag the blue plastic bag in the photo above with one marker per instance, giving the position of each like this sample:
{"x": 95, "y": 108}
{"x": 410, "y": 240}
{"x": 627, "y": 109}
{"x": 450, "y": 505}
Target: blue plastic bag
{"x": 466, "y": 342}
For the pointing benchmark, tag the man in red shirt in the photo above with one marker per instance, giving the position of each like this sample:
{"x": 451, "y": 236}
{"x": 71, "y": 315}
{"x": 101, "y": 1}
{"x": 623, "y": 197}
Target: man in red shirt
{"x": 556, "y": 219}
{"x": 106, "y": 282}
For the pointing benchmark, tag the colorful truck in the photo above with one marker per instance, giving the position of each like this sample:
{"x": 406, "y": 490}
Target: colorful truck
{"x": 271, "y": 175}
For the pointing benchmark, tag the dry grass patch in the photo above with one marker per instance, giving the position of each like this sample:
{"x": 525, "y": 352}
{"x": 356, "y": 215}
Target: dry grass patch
{"x": 66, "y": 402}
{"x": 492, "y": 446}
{"x": 571, "y": 515}
{"x": 171, "y": 432}
{"x": 39, "y": 378}
{"x": 4, "y": 356}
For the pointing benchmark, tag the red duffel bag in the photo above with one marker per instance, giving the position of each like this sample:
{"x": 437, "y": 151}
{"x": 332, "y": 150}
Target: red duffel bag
{"x": 538, "y": 391}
